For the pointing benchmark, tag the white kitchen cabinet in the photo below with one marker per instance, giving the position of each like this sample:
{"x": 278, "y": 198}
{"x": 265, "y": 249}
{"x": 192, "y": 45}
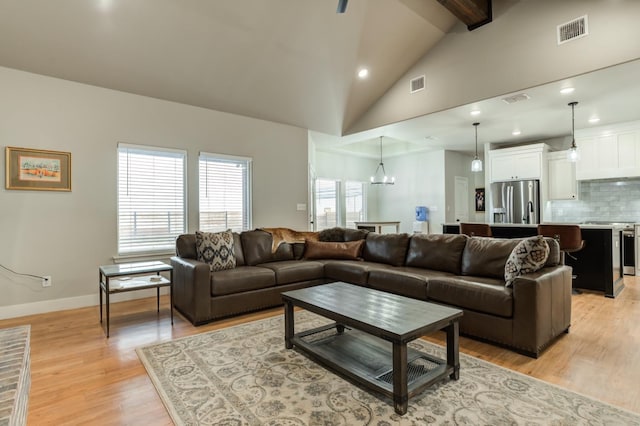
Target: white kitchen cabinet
{"x": 562, "y": 177}
{"x": 516, "y": 163}
{"x": 611, "y": 152}
{"x": 628, "y": 152}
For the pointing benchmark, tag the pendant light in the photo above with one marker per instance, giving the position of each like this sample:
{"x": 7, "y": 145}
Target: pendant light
{"x": 572, "y": 153}
{"x": 380, "y": 176}
{"x": 476, "y": 164}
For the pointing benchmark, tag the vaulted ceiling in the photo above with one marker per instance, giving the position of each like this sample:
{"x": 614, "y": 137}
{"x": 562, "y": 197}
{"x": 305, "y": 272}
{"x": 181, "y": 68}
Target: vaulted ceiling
{"x": 288, "y": 61}
{"x": 296, "y": 62}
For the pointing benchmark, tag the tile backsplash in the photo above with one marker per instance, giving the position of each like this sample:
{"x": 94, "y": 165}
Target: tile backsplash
{"x": 614, "y": 200}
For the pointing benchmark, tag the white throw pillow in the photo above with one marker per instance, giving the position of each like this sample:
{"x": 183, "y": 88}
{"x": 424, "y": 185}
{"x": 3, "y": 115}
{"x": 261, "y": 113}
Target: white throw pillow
{"x": 216, "y": 249}
{"x": 528, "y": 256}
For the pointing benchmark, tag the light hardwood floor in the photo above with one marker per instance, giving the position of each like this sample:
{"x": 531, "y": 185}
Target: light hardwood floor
{"x": 81, "y": 377}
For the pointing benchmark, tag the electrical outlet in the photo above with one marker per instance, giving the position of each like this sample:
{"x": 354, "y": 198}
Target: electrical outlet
{"x": 46, "y": 281}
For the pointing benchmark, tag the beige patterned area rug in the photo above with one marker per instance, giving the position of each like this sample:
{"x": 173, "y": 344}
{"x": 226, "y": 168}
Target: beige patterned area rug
{"x": 243, "y": 375}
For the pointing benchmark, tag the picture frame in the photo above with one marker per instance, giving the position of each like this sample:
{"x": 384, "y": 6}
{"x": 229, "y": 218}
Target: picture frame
{"x": 37, "y": 169}
{"x": 480, "y": 200}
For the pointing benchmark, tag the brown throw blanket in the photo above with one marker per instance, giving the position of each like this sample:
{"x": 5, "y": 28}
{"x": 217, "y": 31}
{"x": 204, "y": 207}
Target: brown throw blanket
{"x": 286, "y": 235}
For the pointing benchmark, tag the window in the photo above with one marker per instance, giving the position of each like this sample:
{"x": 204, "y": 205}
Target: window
{"x": 354, "y": 199}
{"x": 151, "y": 198}
{"x": 326, "y": 208}
{"x": 225, "y": 193}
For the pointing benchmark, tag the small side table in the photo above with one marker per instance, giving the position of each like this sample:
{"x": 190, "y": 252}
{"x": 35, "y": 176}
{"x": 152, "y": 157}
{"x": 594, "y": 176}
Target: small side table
{"x": 131, "y": 277}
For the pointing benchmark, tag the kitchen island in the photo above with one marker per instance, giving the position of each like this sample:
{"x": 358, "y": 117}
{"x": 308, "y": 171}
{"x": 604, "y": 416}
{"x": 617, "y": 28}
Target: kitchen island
{"x": 596, "y": 267}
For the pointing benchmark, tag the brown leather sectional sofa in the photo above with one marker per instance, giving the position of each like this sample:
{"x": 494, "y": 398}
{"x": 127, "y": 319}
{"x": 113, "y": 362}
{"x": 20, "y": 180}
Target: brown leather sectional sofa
{"x": 456, "y": 270}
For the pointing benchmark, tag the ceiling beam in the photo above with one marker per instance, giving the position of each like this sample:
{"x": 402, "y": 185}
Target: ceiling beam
{"x": 474, "y": 13}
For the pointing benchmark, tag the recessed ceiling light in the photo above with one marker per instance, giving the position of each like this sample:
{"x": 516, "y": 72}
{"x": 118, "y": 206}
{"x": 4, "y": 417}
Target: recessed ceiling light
{"x": 105, "y": 5}
{"x": 516, "y": 133}
{"x": 594, "y": 120}
{"x": 567, "y": 90}
{"x": 363, "y": 73}
{"x": 475, "y": 112}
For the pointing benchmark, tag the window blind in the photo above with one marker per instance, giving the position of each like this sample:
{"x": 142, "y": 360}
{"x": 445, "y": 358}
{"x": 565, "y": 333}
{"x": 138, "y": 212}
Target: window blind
{"x": 326, "y": 208}
{"x": 225, "y": 193}
{"x": 355, "y": 203}
{"x": 151, "y": 198}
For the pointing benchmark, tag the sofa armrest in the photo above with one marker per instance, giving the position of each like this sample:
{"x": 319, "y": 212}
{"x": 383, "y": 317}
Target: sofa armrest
{"x": 192, "y": 288}
{"x": 542, "y": 307}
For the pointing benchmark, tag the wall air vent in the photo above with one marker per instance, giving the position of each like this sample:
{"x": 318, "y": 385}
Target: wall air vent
{"x": 516, "y": 98}
{"x": 572, "y": 30}
{"x": 416, "y": 84}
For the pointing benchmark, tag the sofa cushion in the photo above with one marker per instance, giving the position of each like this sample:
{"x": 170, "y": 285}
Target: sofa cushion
{"x": 237, "y": 249}
{"x": 355, "y": 234}
{"x": 292, "y": 271}
{"x": 338, "y": 234}
{"x": 186, "y": 246}
{"x": 494, "y": 299}
{"x": 386, "y": 248}
{"x": 241, "y": 279}
{"x": 399, "y": 282}
{"x": 335, "y": 234}
{"x": 256, "y": 246}
{"x": 350, "y": 271}
{"x": 528, "y": 256}
{"x": 298, "y": 250}
{"x": 216, "y": 249}
{"x": 333, "y": 250}
{"x": 441, "y": 252}
{"x": 486, "y": 257}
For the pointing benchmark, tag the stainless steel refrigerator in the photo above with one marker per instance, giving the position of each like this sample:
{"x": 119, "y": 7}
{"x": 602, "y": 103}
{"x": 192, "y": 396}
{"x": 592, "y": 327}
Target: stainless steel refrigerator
{"x": 516, "y": 201}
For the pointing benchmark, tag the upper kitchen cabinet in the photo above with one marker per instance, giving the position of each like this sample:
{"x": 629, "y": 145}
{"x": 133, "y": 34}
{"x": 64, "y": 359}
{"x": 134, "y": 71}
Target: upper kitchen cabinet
{"x": 609, "y": 152}
{"x": 562, "y": 177}
{"x": 518, "y": 163}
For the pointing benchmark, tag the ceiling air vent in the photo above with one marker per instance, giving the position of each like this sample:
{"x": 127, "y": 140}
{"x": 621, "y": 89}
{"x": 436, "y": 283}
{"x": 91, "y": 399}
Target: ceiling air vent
{"x": 416, "y": 84}
{"x": 516, "y": 98}
{"x": 573, "y": 30}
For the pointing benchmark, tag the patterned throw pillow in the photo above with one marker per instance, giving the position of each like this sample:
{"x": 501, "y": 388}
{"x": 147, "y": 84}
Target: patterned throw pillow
{"x": 216, "y": 249}
{"x": 528, "y": 256}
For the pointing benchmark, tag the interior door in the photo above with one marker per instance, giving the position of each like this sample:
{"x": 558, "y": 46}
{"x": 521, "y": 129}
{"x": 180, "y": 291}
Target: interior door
{"x": 461, "y": 199}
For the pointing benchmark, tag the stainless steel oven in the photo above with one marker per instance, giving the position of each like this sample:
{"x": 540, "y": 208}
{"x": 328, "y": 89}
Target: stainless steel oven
{"x": 628, "y": 245}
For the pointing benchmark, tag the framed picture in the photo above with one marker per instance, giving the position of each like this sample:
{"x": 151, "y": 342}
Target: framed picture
{"x": 479, "y": 199}
{"x": 37, "y": 169}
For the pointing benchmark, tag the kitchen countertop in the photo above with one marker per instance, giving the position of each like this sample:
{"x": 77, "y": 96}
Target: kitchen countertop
{"x": 533, "y": 225}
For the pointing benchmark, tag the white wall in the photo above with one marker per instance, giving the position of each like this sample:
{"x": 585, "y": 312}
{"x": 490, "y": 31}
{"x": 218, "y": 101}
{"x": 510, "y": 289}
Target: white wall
{"x": 419, "y": 182}
{"x": 516, "y": 51}
{"x": 68, "y": 235}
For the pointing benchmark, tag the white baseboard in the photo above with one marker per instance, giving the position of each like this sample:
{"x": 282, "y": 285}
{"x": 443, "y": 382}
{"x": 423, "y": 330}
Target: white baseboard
{"x": 53, "y": 305}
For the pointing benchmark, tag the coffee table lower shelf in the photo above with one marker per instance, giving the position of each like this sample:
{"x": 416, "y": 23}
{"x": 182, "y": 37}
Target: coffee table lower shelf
{"x": 367, "y": 359}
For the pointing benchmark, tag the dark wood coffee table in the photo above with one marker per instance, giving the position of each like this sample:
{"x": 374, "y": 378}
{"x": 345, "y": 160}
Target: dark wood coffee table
{"x": 368, "y": 341}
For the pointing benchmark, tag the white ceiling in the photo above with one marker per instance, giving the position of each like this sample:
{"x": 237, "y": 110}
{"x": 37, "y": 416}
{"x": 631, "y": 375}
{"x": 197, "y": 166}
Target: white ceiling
{"x": 288, "y": 61}
{"x": 292, "y": 62}
{"x": 612, "y": 94}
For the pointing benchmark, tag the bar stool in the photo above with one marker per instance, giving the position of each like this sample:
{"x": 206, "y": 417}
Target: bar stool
{"x": 569, "y": 239}
{"x": 476, "y": 229}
